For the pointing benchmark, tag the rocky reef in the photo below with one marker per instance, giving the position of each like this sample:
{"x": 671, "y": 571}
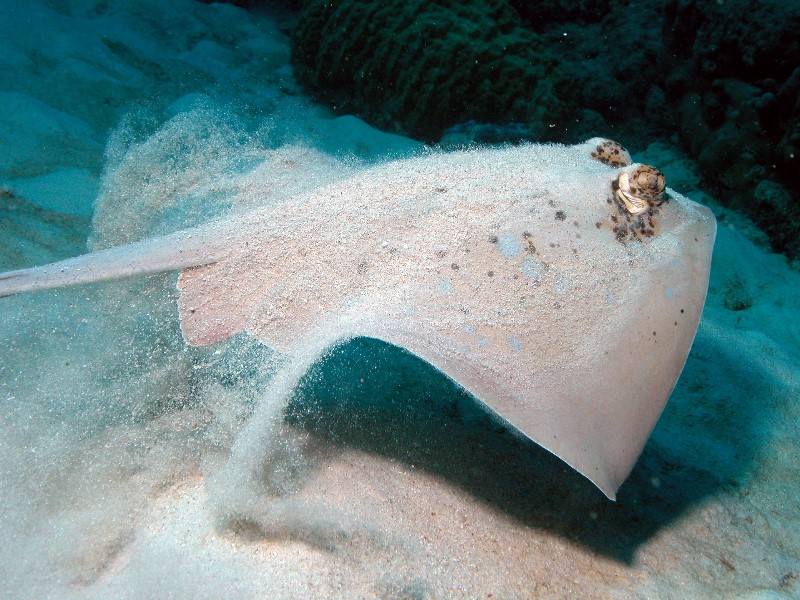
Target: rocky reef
{"x": 419, "y": 66}
{"x": 735, "y": 93}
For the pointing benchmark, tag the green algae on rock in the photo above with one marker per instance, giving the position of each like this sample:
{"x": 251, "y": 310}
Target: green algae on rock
{"x": 421, "y": 66}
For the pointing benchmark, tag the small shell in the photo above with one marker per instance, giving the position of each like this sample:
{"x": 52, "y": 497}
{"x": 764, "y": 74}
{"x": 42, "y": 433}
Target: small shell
{"x": 611, "y": 153}
{"x": 640, "y": 188}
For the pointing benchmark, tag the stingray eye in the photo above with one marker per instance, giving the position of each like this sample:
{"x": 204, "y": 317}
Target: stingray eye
{"x": 641, "y": 188}
{"x": 612, "y": 154}
{"x": 649, "y": 181}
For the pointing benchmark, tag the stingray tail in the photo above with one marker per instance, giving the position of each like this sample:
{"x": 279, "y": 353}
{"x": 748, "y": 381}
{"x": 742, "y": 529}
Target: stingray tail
{"x": 179, "y": 250}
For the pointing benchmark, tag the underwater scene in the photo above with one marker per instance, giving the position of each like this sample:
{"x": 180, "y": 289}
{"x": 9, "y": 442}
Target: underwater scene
{"x": 399, "y": 300}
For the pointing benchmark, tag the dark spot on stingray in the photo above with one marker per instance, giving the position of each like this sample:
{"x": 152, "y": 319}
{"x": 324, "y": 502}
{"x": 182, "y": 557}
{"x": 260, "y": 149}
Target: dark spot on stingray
{"x": 654, "y": 333}
{"x": 676, "y": 323}
{"x": 598, "y": 225}
{"x": 441, "y": 189}
{"x": 561, "y": 215}
{"x": 551, "y": 203}
{"x": 526, "y": 234}
{"x": 490, "y": 274}
{"x": 575, "y": 223}
{"x": 492, "y": 239}
{"x": 726, "y": 563}
{"x": 681, "y": 311}
{"x": 531, "y": 248}
{"x": 614, "y": 218}
{"x": 454, "y": 266}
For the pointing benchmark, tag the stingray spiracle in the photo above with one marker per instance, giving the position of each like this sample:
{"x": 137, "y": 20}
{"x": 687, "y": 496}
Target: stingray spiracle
{"x": 641, "y": 188}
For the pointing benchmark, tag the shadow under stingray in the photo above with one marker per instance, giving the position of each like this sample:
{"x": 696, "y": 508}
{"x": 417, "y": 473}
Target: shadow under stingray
{"x": 375, "y": 397}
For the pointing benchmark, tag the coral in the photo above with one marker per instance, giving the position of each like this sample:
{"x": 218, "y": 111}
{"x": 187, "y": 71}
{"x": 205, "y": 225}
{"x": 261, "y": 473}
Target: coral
{"x": 737, "y": 87}
{"x": 778, "y": 214}
{"x": 614, "y": 55}
{"x": 540, "y": 13}
{"x": 421, "y": 66}
{"x": 750, "y": 40}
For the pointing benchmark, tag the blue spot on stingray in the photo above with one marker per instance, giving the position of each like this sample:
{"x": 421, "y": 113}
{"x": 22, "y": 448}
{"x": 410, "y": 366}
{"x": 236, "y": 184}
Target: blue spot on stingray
{"x": 562, "y": 285}
{"x": 445, "y": 287}
{"x": 668, "y": 293}
{"x": 532, "y": 268}
{"x": 515, "y": 343}
{"x": 509, "y": 245}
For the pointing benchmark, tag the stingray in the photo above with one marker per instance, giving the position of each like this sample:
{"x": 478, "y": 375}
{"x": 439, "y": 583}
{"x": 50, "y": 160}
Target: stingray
{"x": 561, "y": 286}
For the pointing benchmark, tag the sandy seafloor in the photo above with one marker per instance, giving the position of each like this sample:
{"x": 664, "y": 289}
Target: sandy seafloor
{"x": 385, "y": 480}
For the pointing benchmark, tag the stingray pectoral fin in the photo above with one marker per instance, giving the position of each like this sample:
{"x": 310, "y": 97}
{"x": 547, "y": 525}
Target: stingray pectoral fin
{"x": 175, "y": 251}
{"x": 212, "y": 305}
{"x": 571, "y": 414}
{"x": 258, "y": 288}
{"x": 595, "y": 413}
{"x": 586, "y": 383}
{"x": 278, "y": 282}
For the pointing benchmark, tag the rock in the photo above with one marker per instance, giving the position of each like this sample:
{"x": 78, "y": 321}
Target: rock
{"x": 778, "y": 214}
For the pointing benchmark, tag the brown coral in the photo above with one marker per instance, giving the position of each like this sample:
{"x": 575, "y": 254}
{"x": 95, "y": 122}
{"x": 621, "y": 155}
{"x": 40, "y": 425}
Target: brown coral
{"x": 421, "y": 66}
